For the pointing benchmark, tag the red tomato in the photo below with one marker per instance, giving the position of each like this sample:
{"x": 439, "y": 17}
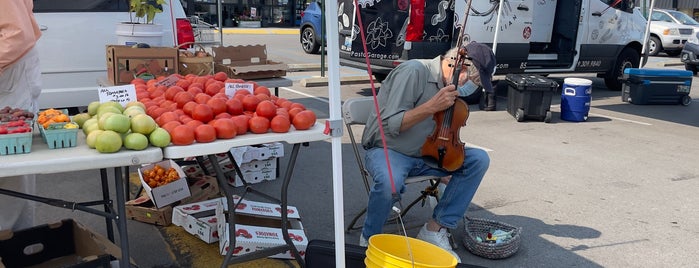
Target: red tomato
{"x": 250, "y": 103}
{"x": 218, "y": 105}
{"x": 171, "y": 91}
{"x": 294, "y": 111}
{"x": 258, "y": 124}
{"x": 221, "y": 76}
{"x": 167, "y": 117}
{"x": 202, "y": 98}
{"x": 183, "y": 98}
{"x": 189, "y": 107}
{"x": 297, "y": 105}
{"x": 241, "y": 123}
{"x": 204, "y": 133}
{"x": 262, "y": 90}
{"x": 194, "y": 123}
{"x": 234, "y": 106}
{"x": 267, "y": 109}
{"x": 225, "y": 128}
{"x": 182, "y": 135}
{"x": 170, "y": 126}
{"x": 280, "y": 124}
{"x": 222, "y": 115}
{"x": 203, "y": 112}
{"x": 304, "y": 120}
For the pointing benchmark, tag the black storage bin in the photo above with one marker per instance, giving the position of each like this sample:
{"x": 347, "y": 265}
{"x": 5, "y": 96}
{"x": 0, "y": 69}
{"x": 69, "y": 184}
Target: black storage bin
{"x": 321, "y": 254}
{"x": 656, "y": 86}
{"x": 529, "y": 96}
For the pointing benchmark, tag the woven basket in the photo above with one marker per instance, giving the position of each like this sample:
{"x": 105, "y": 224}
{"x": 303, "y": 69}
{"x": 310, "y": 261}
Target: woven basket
{"x": 476, "y": 227}
{"x": 196, "y": 65}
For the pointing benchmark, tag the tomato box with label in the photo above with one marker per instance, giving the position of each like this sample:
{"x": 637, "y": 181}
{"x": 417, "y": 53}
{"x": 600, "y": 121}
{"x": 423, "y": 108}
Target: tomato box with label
{"x": 142, "y": 209}
{"x": 124, "y": 63}
{"x": 258, "y": 226}
{"x": 247, "y": 62}
{"x": 170, "y": 188}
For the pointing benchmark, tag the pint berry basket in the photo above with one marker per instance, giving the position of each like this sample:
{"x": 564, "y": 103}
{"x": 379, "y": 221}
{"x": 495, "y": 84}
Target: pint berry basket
{"x": 479, "y": 228}
{"x": 192, "y": 64}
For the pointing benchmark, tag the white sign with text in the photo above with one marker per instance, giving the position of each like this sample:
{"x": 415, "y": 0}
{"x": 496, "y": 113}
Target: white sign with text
{"x": 121, "y": 94}
{"x": 231, "y": 88}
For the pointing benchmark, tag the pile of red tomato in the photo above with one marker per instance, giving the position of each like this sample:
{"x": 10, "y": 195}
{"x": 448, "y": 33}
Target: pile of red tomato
{"x": 197, "y": 109}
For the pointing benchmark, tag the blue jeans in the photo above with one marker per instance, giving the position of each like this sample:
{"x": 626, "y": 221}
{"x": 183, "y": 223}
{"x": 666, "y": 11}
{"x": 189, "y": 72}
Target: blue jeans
{"x": 453, "y": 202}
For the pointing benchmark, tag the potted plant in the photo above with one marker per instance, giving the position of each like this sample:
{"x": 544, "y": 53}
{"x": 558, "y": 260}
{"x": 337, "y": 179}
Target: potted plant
{"x": 249, "y": 22}
{"x": 141, "y": 28}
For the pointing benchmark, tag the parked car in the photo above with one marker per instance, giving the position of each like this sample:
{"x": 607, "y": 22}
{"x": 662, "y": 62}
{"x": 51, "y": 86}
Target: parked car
{"x": 311, "y": 28}
{"x": 72, "y": 47}
{"x": 669, "y": 31}
{"x": 690, "y": 54}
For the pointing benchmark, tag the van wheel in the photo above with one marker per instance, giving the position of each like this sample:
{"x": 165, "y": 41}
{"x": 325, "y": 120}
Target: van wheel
{"x": 628, "y": 58}
{"x": 654, "y": 46}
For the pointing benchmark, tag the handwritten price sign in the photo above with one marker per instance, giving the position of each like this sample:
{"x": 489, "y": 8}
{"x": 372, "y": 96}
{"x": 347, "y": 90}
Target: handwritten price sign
{"x": 121, "y": 94}
{"x": 231, "y": 88}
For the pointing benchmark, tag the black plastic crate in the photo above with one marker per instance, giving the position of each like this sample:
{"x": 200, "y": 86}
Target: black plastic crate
{"x": 656, "y": 86}
{"x": 529, "y": 96}
{"x": 63, "y": 244}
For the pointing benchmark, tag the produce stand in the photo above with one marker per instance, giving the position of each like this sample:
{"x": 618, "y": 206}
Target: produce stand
{"x": 42, "y": 160}
{"x": 296, "y": 138}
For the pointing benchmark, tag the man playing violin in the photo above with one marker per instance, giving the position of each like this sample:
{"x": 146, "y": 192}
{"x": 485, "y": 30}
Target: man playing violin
{"x": 409, "y": 97}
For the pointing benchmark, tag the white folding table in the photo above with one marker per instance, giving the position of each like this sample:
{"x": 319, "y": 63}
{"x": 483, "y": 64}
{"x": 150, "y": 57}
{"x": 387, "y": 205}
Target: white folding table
{"x": 296, "y": 138}
{"x": 42, "y": 160}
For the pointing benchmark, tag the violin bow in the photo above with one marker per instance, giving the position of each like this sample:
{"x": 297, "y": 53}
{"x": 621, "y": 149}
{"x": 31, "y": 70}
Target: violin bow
{"x": 458, "y": 62}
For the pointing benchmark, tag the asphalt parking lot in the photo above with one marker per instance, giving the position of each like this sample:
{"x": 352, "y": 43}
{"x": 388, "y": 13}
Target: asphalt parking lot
{"x": 618, "y": 190}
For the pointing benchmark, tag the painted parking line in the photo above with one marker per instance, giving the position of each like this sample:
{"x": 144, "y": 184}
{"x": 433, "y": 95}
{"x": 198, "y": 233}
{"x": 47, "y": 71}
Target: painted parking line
{"x": 327, "y": 102}
{"x": 612, "y": 117}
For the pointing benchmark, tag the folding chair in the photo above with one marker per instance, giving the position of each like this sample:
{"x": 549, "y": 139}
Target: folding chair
{"x": 355, "y": 111}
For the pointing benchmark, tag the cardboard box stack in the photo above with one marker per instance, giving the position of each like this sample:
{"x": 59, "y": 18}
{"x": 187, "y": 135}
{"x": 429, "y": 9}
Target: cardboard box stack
{"x": 258, "y": 163}
{"x": 124, "y": 62}
{"x": 142, "y": 209}
{"x": 155, "y": 205}
{"x": 247, "y": 62}
{"x": 258, "y": 225}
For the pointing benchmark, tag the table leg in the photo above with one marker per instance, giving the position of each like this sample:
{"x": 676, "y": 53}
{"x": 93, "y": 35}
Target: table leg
{"x": 284, "y": 205}
{"x": 127, "y": 184}
{"x": 121, "y": 218}
{"x": 107, "y": 206}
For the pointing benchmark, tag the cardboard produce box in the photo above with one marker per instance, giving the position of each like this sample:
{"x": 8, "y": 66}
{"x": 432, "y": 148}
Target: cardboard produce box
{"x": 244, "y": 154}
{"x": 170, "y": 192}
{"x": 61, "y": 244}
{"x": 258, "y": 226}
{"x": 124, "y": 62}
{"x": 252, "y": 177}
{"x": 142, "y": 209}
{"x": 247, "y": 62}
{"x": 200, "y": 219}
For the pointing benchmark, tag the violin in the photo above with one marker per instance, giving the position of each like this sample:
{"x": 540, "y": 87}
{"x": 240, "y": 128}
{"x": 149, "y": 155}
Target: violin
{"x": 443, "y": 148}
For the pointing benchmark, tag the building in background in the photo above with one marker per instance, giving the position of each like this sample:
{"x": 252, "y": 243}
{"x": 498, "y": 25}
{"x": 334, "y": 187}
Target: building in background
{"x": 269, "y": 13}
{"x": 690, "y": 7}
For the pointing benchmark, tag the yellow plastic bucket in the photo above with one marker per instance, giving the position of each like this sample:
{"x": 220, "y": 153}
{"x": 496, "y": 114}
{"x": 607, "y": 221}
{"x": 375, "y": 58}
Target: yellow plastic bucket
{"x": 395, "y": 251}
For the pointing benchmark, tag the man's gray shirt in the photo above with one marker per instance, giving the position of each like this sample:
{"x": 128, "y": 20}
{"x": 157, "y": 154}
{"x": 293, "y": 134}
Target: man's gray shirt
{"x": 409, "y": 85}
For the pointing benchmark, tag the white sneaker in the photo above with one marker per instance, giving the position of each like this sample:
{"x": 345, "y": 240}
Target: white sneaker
{"x": 362, "y": 241}
{"x": 440, "y": 239}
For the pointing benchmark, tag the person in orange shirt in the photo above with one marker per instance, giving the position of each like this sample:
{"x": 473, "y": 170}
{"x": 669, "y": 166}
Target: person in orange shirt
{"x": 20, "y": 86}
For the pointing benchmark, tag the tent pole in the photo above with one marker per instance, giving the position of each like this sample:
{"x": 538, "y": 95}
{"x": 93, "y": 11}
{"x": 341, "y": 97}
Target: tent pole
{"x": 335, "y": 121}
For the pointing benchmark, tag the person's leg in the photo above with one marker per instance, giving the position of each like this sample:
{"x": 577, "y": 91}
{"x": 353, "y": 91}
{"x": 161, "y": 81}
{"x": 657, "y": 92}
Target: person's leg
{"x": 381, "y": 197}
{"x": 20, "y": 86}
{"x": 461, "y": 188}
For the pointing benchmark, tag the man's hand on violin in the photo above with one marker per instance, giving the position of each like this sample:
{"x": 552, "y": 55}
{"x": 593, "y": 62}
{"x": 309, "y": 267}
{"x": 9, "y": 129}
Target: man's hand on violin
{"x": 445, "y": 98}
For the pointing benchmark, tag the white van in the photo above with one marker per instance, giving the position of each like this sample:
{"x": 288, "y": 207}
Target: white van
{"x": 72, "y": 48}
{"x": 534, "y": 36}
